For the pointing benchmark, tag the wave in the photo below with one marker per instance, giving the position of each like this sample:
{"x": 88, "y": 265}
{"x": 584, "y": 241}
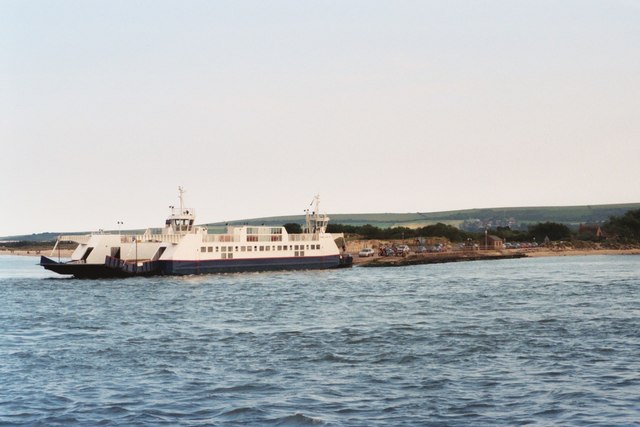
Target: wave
{"x": 244, "y": 412}
{"x": 297, "y": 419}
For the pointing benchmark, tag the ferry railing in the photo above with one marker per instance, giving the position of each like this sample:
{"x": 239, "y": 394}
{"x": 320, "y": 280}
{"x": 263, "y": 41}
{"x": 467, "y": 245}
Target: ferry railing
{"x": 302, "y": 237}
{"x": 264, "y": 238}
{"x": 168, "y": 238}
{"x": 218, "y": 238}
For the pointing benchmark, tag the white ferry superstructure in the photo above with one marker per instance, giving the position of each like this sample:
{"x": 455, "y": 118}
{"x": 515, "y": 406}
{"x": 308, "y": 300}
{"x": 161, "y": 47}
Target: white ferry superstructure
{"x": 182, "y": 248}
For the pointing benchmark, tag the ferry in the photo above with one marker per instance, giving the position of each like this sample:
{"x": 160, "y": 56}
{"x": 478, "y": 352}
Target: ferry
{"x": 182, "y": 248}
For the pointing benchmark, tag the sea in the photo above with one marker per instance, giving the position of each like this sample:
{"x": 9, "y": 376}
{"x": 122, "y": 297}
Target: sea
{"x": 542, "y": 341}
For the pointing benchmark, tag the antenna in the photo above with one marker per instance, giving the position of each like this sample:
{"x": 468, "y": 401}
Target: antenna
{"x": 181, "y": 191}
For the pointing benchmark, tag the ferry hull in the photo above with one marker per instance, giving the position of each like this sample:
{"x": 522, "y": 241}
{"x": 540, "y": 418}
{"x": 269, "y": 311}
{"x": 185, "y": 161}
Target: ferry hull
{"x": 254, "y": 264}
{"x": 113, "y": 268}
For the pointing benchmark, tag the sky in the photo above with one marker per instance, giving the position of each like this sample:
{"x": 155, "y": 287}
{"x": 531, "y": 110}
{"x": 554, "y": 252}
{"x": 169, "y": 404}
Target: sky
{"x": 254, "y": 107}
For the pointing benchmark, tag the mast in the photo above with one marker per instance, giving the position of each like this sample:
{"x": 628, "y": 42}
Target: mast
{"x": 317, "y": 198}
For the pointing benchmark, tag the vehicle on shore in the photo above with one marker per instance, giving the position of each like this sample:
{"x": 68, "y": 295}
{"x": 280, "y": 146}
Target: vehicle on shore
{"x": 181, "y": 248}
{"x": 366, "y": 252}
{"x": 386, "y": 251}
{"x": 402, "y": 250}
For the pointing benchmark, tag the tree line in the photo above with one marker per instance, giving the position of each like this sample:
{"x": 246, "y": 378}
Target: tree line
{"x": 625, "y": 228}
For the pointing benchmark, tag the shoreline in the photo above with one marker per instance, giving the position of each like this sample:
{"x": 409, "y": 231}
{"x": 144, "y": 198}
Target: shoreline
{"x": 447, "y": 257}
{"x": 64, "y": 253}
{"x": 582, "y": 252}
{"x": 436, "y": 257}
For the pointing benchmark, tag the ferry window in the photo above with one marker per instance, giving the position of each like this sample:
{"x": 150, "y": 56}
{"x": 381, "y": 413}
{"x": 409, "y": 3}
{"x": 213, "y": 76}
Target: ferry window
{"x": 296, "y": 253}
{"x": 255, "y": 248}
{"x": 236, "y": 249}
{"x": 203, "y": 249}
{"x": 210, "y": 249}
{"x": 261, "y": 248}
{"x": 243, "y": 248}
{"x": 249, "y": 248}
{"x": 268, "y": 248}
{"x": 224, "y": 249}
{"x": 223, "y": 256}
{"x": 217, "y": 248}
{"x": 307, "y": 247}
{"x": 301, "y": 253}
{"x": 230, "y": 256}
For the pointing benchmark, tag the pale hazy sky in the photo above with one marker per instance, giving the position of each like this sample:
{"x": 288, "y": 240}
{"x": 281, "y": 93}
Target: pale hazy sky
{"x": 256, "y": 106}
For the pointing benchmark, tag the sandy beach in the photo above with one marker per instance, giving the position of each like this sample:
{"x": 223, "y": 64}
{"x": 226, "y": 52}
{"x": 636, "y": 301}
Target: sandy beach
{"x": 64, "y": 253}
{"x": 542, "y": 252}
{"x": 534, "y": 253}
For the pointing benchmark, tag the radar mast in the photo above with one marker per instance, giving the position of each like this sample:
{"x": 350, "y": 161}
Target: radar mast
{"x": 316, "y": 222}
{"x": 182, "y": 221}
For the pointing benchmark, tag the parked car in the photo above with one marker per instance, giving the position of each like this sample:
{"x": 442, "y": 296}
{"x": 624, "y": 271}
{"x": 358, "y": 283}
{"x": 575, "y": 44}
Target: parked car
{"x": 366, "y": 252}
{"x": 402, "y": 250}
{"x": 387, "y": 251}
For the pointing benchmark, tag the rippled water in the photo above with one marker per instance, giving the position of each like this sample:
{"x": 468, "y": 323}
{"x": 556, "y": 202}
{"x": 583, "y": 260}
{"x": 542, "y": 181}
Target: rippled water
{"x": 546, "y": 341}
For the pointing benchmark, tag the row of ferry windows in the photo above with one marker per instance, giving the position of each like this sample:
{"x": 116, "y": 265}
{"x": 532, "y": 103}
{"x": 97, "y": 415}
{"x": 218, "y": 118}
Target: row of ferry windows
{"x": 258, "y": 248}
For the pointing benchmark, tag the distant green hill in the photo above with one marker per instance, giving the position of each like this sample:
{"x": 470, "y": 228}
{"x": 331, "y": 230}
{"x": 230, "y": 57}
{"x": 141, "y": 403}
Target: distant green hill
{"x": 515, "y": 217}
{"x": 569, "y": 215}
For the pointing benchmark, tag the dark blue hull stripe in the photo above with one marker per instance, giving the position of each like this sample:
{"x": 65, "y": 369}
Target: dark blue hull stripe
{"x": 253, "y": 264}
